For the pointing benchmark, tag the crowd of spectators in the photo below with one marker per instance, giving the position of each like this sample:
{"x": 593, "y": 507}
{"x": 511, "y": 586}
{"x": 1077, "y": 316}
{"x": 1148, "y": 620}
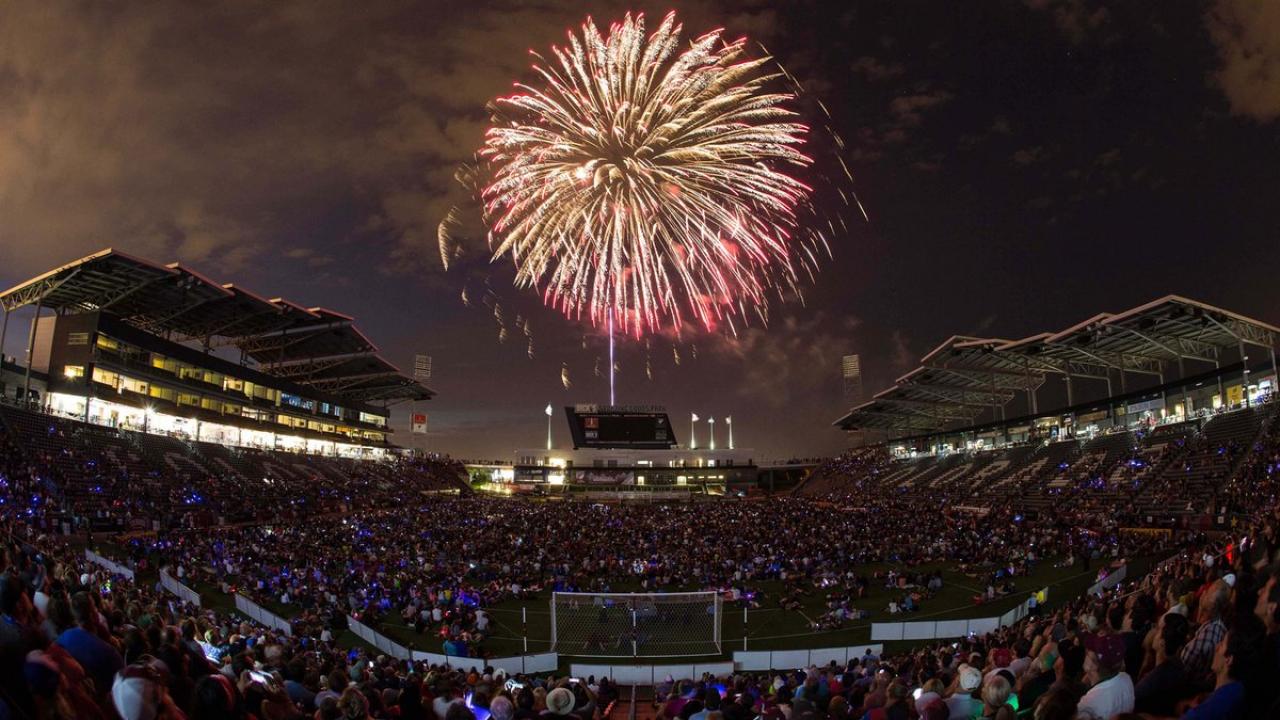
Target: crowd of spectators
{"x": 1200, "y": 631}
{"x": 77, "y": 643}
{"x": 1197, "y": 638}
{"x": 434, "y": 565}
{"x": 100, "y": 477}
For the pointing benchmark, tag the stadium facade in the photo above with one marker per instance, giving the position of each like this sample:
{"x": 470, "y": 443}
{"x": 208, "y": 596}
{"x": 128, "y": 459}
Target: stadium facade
{"x": 158, "y": 348}
{"x": 1171, "y": 360}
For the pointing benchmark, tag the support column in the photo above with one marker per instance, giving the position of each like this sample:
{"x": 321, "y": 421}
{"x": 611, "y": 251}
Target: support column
{"x": 1244, "y": 374}
{"x": 1070, "y": 398}
{"x": 996, "y": 405}
{"x": 1186, "y": 396}
{"x": 4, "y": 330}
{"x": 1217, "y": 365}
{"x": 31, "y": 348}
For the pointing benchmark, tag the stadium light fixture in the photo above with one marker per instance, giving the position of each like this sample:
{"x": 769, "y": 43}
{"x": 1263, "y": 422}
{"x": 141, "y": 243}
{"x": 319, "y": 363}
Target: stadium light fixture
{"x": 711, "y": 421}
{"x": 729, "y": 421}
{"x": 693, "y": 431}
{"x": 548, "y": 411}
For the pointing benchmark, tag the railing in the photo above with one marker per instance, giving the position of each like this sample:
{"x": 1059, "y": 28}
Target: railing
{"x": 936, "y": 629}
{"x": 650, "y": 674}
{"x": 111, "y": 565}
{"x": 262, "y": 615}
{"x": 527, "y": 664}
{"x": 755, "y": 660}
{"x": 173, "y": 585}
{"x": 1110, "y": 581}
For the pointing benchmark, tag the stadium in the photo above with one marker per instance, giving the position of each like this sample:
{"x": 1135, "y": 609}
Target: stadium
{"x": 269, "y": 492}
{"x": 249, "y": 252}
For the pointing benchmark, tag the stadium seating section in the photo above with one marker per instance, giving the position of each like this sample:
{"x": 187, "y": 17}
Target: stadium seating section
{"x": 1151, "y": 477}
{"x": 117, "y": 479}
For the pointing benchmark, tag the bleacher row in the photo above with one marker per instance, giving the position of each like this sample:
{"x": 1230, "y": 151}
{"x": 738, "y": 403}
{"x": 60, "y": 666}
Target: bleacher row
{"x": 120, "y": 478}
{"x": 1169, "y": 471}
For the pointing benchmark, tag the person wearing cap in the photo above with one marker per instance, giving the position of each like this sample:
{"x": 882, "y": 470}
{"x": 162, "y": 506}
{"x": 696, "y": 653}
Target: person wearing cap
{"x": 560, "y": 702}
{"x": 139, "y": 693}
{"x": 1111, "y": 690}
{"x": 961, "y": 703}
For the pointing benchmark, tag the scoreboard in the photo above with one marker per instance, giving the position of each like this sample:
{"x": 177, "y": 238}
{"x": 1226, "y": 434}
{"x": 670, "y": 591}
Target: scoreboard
{"x": 620, "y": 427}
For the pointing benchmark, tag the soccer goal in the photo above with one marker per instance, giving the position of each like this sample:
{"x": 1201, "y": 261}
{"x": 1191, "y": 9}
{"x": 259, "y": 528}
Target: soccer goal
{"x": 635, "y": 624}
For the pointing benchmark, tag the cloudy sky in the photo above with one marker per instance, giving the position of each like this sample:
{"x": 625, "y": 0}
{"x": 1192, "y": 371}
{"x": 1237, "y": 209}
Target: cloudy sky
{"x": 1023, "y": 164}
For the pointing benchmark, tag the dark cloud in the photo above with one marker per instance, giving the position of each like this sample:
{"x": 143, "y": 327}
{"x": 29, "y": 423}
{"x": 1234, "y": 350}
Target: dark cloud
{"x": 909, "y": 110}
{"x": 875, "y": 70}
{"x": 1078, "y": 20}
{"x": 1029, "y": 156}
{"x": 1014, "y": 160}
{"x": 1247, "y": 36}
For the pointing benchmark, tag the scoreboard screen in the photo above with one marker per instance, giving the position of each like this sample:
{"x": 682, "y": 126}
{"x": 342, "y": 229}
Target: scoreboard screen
{"x": 614, "y": 427}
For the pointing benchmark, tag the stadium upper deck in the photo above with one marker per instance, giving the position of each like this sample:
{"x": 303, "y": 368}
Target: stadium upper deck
{"x": 132, "y": 344}
{"x": 1171, "y": 358}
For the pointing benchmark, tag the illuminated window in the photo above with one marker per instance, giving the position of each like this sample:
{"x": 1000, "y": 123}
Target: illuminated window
{"x": 106, "y": 377}
{"x": 73, "y": 372}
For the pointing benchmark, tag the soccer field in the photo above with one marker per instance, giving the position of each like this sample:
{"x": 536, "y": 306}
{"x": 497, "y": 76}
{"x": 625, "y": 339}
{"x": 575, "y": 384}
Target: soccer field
{"x": 771, "y": 627}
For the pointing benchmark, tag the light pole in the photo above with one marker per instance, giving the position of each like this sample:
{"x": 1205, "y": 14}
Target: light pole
{"x": 729, "y": 421}
{"x": 712, "y": 423}
{"x": 612, "y": 401}
{"x": 693, "y": 431}
{"x": 548, "y": 411}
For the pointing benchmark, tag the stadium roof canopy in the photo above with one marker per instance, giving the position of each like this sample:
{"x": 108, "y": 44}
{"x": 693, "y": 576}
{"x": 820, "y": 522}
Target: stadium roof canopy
{"x": 965, "y": 376}
{"x": 313, "y": 347}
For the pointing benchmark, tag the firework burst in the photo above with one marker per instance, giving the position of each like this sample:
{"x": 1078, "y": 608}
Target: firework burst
{"x": 649, "y": 182}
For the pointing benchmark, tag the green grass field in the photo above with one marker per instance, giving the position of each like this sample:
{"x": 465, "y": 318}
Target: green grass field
{"x": 766, "y": 628}
{"x": 772, "y": 628}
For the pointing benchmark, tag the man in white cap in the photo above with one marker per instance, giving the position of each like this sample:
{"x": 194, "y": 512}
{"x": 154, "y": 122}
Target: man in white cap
{"x": 560, "y": 702}
{"x": 961, "y": 703}
{"x": 139, "y": 693}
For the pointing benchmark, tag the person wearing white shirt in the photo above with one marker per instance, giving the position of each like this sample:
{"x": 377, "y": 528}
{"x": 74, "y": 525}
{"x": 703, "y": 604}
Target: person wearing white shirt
{"x": 1112, "y": 691}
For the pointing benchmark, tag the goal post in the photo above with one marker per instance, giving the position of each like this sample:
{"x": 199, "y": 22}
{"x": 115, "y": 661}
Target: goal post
{"x": 636, "y": 624}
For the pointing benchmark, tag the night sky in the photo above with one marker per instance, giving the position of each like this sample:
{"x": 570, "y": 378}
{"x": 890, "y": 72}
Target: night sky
{"x": 1024, "y": 166}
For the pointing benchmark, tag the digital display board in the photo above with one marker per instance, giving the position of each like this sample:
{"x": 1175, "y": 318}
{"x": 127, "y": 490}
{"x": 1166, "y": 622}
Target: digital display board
{"x": 620, "y": 427}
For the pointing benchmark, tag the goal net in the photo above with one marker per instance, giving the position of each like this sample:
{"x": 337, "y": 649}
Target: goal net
{"x": 636, "y": 624}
